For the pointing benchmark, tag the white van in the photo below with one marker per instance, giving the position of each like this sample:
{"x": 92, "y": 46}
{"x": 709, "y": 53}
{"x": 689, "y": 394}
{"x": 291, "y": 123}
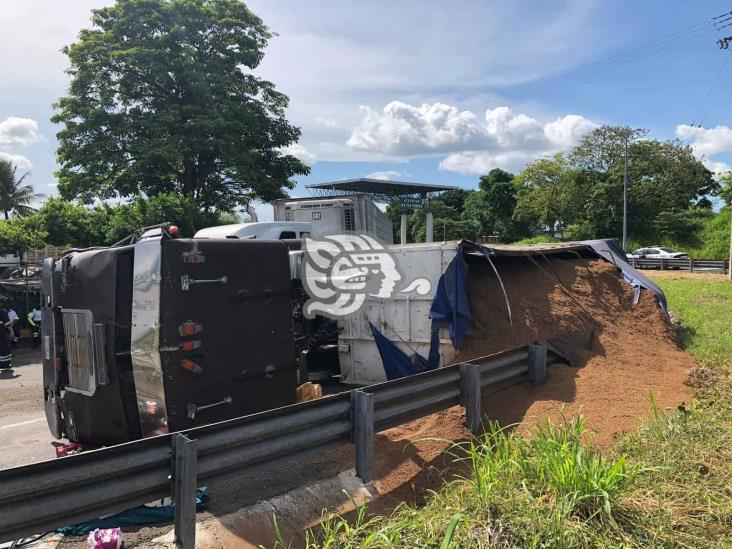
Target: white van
{"x": 261, "y": 230}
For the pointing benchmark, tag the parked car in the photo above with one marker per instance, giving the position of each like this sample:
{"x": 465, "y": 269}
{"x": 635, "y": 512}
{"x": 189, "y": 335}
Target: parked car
{"x": 657, "y": 252}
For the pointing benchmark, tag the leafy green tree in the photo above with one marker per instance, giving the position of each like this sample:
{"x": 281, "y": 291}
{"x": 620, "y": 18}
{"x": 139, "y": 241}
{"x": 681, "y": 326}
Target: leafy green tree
{"x": 725, "y": 188}
{"x": 20, "y": 234}
{"x": 181, "y": 210}
{"x": 15, "y": 196}
{"x": 491, "y": 208}
{"x": 550, "y": 193}
{"x": 163, "y": 100}
{"x": 455, "y": 198}
{"x": 662, "y": 177}
{"x": 70, "y": 224}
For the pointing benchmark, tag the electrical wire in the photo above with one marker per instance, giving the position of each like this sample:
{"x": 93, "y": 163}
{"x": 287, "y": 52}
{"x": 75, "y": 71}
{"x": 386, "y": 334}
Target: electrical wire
{"x": 708, "y": 95}
{"x": 716, "y": 97}
{"x": 642, "y": 50}
{"x": 637, "y": 55}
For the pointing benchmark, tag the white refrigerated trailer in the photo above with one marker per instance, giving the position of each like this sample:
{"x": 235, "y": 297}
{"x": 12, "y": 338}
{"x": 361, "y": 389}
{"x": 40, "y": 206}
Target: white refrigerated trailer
{"x": 356, "y": 213}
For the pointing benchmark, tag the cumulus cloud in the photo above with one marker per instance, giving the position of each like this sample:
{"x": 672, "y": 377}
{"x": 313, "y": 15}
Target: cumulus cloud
{"x": 16, "y": 131}
{"x": 300, "y": 152}
{"x": 704, "y": 141}
{"x": 502, "y": 138}
{"x": 387, "y": 175}
{"x": 21, "y": 162}
{"x": 401, "y": 129}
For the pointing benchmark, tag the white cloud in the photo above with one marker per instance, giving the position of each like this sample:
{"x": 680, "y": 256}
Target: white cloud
{"x": 718, "y": 168}
{"x": 402, "y": 130}
{"x": 477, "y": 162}
{"x": 22, "y": 163}
{"x": 565, "y": 132}
{"x": 704, "y": 141}
{"x": 502, "y": 138}
{"x": 385, "y": 174}
{"x": 15, "y": 131}
{"x": 300, "y": 152}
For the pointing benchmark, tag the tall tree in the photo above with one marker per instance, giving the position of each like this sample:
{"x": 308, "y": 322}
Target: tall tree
{"x": 550, "y": 193}
{"x": 162, "y": 99}
{"x": 15, "y": 196}
{"x": 491, "y": 207}
{"x": 662, "y": 177}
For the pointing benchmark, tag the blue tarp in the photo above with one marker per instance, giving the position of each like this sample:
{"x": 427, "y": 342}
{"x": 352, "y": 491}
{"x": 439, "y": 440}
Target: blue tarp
{"x": 449, "y": 308}
{"x": 397, "y": 363}
{"x": 450, "y": 304}
{"x": 137, "y": 516}
{"x": 611, "y": 251}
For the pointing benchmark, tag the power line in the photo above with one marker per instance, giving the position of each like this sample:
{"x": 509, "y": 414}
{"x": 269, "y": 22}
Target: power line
{"x": 716, "y": 98}
{"x": 708, "y": 95}
{"x": 636, "y": 52}
{"x": 627, "y": 58}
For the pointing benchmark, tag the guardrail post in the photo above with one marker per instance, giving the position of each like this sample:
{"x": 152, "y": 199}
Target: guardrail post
{"x": 186, "y": 473}
{"x": 691, "y": 264}
{"x": 537, "y": 364}
{"x": 470, "y": 392}
{"x": 663, "y": 264}
{"x": 363, "y": 433}
{"x": 632, "y": 262}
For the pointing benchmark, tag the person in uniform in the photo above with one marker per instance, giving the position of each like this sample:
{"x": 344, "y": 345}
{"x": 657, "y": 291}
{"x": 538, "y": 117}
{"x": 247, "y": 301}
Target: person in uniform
{"x": 14, "y": 321}
{"x": 34, "y": 321}
{"x": 6, "y": 335}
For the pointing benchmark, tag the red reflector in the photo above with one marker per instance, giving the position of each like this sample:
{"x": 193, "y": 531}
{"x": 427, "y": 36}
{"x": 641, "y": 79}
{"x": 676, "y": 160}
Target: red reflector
{"x": 57, "y": 364}
{"x": 189, "y": 328}
{"x": 191, "y": 366}
{"x": 190, "y": 345}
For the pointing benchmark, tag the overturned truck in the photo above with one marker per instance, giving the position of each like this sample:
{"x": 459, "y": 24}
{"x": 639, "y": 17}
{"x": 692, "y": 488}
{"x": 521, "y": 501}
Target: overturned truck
{"x": 162, "y": 334}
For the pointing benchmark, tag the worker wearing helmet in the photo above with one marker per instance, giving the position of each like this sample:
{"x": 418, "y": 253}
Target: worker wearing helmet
{"x": 34, "y": 321}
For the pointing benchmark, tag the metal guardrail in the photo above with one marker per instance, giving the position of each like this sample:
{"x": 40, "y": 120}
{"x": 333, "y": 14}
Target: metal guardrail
{"x": 685, "y": 264}
{"x": 51, "y": 494}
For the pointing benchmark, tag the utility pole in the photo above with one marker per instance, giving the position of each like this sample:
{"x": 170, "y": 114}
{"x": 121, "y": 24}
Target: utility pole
{"x": 625, "y": 194}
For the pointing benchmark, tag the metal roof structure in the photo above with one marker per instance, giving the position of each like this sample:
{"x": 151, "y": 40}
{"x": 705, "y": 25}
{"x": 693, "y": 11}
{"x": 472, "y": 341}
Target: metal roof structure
{"x": 406, "y": 194}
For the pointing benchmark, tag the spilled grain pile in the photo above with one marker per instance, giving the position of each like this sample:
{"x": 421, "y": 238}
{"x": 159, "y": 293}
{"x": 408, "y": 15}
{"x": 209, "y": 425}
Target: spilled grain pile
{"x": 633, "y": 352}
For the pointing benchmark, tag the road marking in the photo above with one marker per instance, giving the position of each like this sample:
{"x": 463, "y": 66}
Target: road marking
{"x": 21, "y": 423}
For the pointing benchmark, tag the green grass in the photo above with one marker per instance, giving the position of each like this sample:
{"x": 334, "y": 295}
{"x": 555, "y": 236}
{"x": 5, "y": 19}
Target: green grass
{"x": 667, "y": 485}
{"x": 704, "y": 311}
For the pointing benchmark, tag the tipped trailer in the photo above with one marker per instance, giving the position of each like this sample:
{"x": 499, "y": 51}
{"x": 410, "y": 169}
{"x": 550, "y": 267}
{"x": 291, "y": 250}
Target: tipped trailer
{"x": 164, "y": 334}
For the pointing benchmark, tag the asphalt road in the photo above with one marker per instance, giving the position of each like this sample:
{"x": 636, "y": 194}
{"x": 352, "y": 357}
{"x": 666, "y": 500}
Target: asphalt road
{"x": 23, "y": 430}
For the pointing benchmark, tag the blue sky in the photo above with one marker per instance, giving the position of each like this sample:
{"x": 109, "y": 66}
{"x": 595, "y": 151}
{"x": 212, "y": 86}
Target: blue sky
{"x": 430, "y": 91}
